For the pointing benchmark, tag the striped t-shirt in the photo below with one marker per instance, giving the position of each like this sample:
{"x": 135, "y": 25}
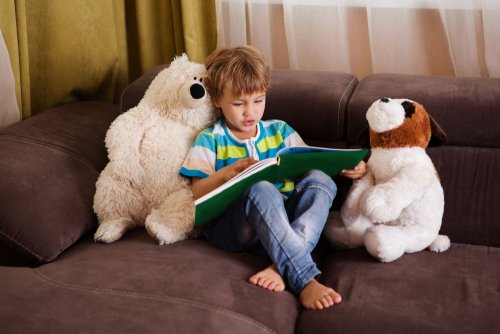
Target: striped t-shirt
{"x": 216, "y": 147}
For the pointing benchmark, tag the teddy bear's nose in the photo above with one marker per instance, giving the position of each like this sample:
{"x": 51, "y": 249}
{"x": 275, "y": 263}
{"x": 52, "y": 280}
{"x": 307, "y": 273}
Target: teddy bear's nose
{"x": 197, "y": 91}
{"x": 384, "y": 99}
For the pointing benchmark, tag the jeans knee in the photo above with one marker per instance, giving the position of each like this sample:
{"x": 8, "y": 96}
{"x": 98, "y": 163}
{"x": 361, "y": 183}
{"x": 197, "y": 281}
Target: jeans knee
{"x": 320, "y": 178}
{"x": 261, "y": 195}
{"x": 261, "y": 187}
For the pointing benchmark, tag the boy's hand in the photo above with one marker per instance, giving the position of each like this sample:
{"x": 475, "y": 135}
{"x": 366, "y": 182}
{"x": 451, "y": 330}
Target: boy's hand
{"x": 201, "y": 187}
{"x": 237, "y": 167}
{"x": 356, "y": 173}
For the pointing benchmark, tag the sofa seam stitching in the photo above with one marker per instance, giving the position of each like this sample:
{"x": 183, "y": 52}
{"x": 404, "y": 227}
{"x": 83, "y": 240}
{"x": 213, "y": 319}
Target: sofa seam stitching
{"x": 340, "y": 101}
{"x": 45, "y": 144}
{"x": 127, "y": 293}
{"x": 22, "y": 245}
{"x": 353, "y": 95}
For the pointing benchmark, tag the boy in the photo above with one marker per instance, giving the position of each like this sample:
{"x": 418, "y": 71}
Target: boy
{"x": 283, "y": 221}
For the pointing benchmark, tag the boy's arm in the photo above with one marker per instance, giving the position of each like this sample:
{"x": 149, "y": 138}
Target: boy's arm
{"x": 202, "y": 186}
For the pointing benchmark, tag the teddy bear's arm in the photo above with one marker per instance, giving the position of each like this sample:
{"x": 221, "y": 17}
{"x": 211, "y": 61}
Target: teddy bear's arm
{"x": 123, "y": 141}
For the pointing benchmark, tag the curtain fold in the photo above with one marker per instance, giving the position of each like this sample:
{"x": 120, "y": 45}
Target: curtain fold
{"x": 427, "y": 37}
{"x": 63, "y": 51}
{"x": 199, "y": 24}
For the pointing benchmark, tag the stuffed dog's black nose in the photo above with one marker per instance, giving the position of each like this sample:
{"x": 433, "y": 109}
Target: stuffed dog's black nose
{"x": 384, "y": 99}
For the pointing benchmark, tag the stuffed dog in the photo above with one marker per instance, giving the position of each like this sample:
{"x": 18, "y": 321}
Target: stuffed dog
{"x": 397, "y": 207}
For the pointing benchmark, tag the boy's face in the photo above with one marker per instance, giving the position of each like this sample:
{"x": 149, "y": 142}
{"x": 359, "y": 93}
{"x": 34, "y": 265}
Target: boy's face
{"x": 242, "y": 113}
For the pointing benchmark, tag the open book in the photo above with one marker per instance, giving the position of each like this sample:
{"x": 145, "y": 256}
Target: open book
{"x": 289, "y": 163}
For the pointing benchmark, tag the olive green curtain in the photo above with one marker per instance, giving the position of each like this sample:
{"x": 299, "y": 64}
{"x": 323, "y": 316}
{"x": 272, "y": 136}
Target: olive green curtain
{"x": 64, "y": 51}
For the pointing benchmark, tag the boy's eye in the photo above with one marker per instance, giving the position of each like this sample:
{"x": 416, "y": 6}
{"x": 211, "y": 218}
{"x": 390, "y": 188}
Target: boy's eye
{"x": 258, "y": 101}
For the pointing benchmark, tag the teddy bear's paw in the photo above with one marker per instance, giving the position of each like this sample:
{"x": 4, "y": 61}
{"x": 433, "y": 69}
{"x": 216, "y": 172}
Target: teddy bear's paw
{"x": 440, "y": 244}
{"x": 384, "y": 243}
{"x": 112, "y": 230}
{"x": 165, "y": 234}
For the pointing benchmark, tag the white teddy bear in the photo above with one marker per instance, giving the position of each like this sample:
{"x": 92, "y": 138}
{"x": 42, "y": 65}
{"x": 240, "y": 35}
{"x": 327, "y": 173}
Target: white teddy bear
{"x": 146, "y": 147}
{"x": 397, "y": 207}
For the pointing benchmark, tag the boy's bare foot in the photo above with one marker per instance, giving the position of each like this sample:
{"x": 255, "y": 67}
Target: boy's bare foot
{"x": 269, "y": 279}
{"x": 316, "y": 296}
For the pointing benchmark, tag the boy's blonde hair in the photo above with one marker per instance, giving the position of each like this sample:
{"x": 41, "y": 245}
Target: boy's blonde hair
{"x": 242, "y": 69}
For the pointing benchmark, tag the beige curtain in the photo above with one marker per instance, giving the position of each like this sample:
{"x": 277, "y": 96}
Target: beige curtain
{"x": 64, "y": 51}
{"x": 428, "y": 37}
{"x": 9, "y": 111}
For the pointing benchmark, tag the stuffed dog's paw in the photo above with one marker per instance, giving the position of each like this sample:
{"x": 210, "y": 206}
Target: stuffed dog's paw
{"x": 379, "y": 207}
{"x": 385, "y": 243}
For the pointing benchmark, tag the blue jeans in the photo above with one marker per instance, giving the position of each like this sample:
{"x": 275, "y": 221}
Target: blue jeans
{"x": 286, "y": 230}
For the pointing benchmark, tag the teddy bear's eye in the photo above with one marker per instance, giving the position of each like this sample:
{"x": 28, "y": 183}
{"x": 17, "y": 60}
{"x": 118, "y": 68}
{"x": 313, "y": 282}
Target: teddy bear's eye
{"x": 201, "y": 79}
{"x": 195, "y": 78}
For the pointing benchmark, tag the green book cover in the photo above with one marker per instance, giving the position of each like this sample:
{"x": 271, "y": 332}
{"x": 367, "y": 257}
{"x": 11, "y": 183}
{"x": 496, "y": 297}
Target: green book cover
{"x": 290, "y": 162}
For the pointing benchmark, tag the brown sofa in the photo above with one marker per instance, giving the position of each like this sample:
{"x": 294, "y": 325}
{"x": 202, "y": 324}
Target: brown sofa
{"x": 55, "y": 279}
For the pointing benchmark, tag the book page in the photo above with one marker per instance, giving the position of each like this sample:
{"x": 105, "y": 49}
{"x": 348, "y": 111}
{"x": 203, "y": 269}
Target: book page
{"x": 258, "y": 166}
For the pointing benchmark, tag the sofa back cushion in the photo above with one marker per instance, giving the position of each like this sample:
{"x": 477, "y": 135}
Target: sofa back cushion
{"x": 134, "y": 92}
{"x": 467, "y": 110}
{"x": 312, "y": 102}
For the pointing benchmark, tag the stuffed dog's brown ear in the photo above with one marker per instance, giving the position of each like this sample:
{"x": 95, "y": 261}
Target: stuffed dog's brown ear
{"x": 438, "y": 136}
{"x": 364, "y": 138}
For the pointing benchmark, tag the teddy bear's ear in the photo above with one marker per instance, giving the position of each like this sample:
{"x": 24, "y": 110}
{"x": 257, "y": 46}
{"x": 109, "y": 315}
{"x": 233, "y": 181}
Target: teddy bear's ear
{"x": 364, "y": 138}
{"x": 438, "y": 136}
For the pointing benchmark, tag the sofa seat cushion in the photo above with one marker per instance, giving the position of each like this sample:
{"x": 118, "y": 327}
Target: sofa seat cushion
{"x": 49, "y": 165}
{"x": 452, "y": 292}
{"x": 136, "y": 286}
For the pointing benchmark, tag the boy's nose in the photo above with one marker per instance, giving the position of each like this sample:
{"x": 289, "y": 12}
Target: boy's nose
{"x": 248, "y": 110}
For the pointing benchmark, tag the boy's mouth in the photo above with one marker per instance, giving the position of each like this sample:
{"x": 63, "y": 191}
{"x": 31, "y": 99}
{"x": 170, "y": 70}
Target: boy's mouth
{"x": 250, "y": 122}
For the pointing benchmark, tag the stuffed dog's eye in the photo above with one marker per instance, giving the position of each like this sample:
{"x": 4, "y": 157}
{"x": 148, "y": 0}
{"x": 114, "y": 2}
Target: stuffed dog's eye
{"x": 409, "y": 108}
